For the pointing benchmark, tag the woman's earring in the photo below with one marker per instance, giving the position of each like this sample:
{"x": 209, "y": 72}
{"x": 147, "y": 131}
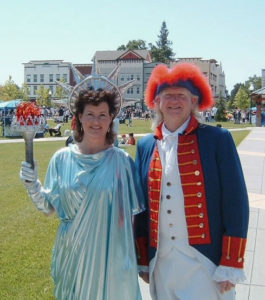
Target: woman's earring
{"x": 108, "y": 130}
{"x": 81, "y": 127}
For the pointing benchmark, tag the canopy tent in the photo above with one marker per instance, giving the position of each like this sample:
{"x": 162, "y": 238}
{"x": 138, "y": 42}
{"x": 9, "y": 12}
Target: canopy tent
{"x": 10, "y": 104}
{"x": 6, "y": 117}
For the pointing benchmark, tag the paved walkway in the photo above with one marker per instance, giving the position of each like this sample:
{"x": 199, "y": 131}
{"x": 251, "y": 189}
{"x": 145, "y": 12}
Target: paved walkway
{"x": 252, "y": 156}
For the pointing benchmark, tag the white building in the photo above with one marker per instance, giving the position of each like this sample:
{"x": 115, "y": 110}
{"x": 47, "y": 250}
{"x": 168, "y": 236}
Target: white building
{"x": 263, "y": 77}
{"x": 132, "y": 68}
{"x": 45, "y": 72}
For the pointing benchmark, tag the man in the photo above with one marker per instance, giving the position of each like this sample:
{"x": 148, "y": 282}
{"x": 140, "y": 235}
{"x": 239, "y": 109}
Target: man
{"x": 191, "y": 241}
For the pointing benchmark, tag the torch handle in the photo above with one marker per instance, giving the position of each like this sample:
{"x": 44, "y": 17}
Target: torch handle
{"x": 29, "y": 151}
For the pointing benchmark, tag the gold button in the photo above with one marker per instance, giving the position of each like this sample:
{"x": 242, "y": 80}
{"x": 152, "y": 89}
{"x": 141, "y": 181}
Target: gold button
{"x": 199, "y": 183}
{"x": 199, "y": 195}
{"x": 197, "y": 173}
{"x": 172, "y": 238}
{"x": 169, "y": 211}
{"x": 195, "y": 162}
{"x": 168, "y": 183}
{"x": 228, "y": 257}
{"x": 192, "y": 151}
{"x": 201, "y": 215}
{"x": 203, "y": 236}
{"x": 192, "y": 141}
{"x": 168, "y": 197}
{"x": 240, "y": 259}
{"x": 170, "y": 225}
{"x": 201, "y": 225}
{"x": 200, "y": 205}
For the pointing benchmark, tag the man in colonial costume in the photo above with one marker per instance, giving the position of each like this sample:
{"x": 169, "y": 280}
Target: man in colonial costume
{"x": 191, "y": 241}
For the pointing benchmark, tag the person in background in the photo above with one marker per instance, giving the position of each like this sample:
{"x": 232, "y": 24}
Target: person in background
{"x": 131, "y": 139}
{"x": 191, "y": 241}
{"x": 93, "y": 188}
{"x": 123, "y": 140}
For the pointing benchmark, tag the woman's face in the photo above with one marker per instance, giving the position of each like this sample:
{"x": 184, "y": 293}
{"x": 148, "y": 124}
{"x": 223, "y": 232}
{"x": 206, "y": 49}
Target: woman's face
{"x": 95, "y": 120}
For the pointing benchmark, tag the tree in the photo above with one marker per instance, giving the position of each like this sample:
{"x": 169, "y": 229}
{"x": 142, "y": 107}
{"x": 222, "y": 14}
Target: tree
{"x": 9, "y": 90}
{"x": 256, "y": 81}
{"x": 162, "y": 52}
{"x": 134, "y": 45}
{"x": 43, "y": 97}
{"x": 60, "y": 93}
{"x": 24, "y": 92}
{"x": 242, "y": 100}
{"x": 221, "y": 109}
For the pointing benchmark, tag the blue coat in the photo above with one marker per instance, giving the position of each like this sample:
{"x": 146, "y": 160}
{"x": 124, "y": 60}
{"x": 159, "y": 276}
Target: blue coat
{"x": 226, "y": 213}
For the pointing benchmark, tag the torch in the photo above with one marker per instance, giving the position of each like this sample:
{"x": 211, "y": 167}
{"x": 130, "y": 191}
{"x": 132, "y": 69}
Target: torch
{"x": 27, "y": 121}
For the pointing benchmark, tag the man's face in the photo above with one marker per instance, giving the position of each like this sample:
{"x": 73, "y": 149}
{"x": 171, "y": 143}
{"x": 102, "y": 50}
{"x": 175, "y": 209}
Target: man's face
{"x": 176, "y": 105}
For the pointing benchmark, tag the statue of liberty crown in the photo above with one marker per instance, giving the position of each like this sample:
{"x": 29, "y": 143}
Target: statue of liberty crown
{"x": 95, "y": 81}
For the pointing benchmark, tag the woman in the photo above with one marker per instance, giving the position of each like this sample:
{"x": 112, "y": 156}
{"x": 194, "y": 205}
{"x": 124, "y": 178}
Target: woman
{"x": 92, "y": 187}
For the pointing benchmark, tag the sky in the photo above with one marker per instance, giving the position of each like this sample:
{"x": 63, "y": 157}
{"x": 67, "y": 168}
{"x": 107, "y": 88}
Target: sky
{"x": 229, "y": 31}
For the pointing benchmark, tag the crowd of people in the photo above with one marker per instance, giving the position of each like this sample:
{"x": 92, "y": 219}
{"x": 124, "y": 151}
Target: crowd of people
{"x": 177, "y": 215}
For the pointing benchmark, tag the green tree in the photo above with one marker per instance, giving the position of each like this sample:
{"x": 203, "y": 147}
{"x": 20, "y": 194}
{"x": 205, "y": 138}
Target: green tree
{"x": 221, "y": 109}
{"x": 162, "y": 51}
{"x": 255, "y": 81}
{"x": 9, "y": 90}
{"x": 43, "y": 97}
{"x": 24, "y": 92}
{"x": 60, "y": 92}
{"x": 134, "y": 45}
{"x": 242, "y": 99}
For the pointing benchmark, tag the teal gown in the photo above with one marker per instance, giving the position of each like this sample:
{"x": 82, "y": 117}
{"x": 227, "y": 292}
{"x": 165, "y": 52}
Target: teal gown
{"x": 95, "y": 197}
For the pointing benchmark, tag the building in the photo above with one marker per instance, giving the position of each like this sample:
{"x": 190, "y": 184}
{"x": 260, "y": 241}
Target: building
{"x": 263, "y": 77}
{"x": 212, "y": 70}
{"x": 132, "y": 68}
{"x": 47, "y": 72}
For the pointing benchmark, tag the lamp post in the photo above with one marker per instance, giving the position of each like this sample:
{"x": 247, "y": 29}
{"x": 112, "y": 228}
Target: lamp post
{"x": 50, "y": 97}
{"x": 251, "y": 89}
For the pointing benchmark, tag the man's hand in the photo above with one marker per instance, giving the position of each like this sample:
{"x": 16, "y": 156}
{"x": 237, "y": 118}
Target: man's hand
{"x": 226, "y": 286}
{"x": 144, "y": 276}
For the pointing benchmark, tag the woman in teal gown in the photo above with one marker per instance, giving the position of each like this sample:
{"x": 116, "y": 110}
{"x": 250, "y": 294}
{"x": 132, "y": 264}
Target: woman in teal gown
{"x": 92, "y": 187}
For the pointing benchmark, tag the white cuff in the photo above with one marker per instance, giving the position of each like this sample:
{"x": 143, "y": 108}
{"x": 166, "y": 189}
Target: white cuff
{"x": 224, "y": 273}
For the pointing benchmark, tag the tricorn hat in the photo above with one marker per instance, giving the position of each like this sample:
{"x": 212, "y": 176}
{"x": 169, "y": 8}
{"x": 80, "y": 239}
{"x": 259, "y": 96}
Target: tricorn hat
{"x": 185, "y": 75}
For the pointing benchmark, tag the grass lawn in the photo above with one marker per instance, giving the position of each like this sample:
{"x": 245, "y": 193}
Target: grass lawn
{"x": 27, "y": 236}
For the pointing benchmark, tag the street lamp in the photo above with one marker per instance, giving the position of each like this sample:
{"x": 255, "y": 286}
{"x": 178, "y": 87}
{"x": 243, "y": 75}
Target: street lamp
{"x": 251, "y": 89}
{"x": 50, "y": 97}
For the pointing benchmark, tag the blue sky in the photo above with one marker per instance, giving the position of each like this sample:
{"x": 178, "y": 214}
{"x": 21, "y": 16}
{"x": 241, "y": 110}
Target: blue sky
{"x": 230, "y": 31}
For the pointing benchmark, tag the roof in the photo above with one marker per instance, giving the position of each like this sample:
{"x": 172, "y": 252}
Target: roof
{"x": 114, "y": 55}
{"x": 259, "y": 91}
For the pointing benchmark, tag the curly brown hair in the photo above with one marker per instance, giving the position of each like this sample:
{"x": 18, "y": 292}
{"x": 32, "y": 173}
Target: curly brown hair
{"x": 94, "y": 98}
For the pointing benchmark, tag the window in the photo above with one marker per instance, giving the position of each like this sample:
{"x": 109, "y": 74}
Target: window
{"x": 138, "y": 76}
{"x": 58, "y": 77}
{"x": 41, "y": 77}
{"x": 138, "y": 90}
{"x": 65, "y": 77}
{"x": 28, "y": 78}
{"x": 51, "y": 88}
{"x": 131, "y": 90}
{"x": 51, "y": 78}
{"x": 35, "y": 78}
{"x": 35, "y": 89}
{"x": 132, "y": 77}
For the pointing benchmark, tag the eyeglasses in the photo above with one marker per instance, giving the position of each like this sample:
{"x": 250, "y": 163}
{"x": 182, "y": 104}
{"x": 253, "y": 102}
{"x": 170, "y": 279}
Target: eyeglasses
{"x": 169, "y": 96}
